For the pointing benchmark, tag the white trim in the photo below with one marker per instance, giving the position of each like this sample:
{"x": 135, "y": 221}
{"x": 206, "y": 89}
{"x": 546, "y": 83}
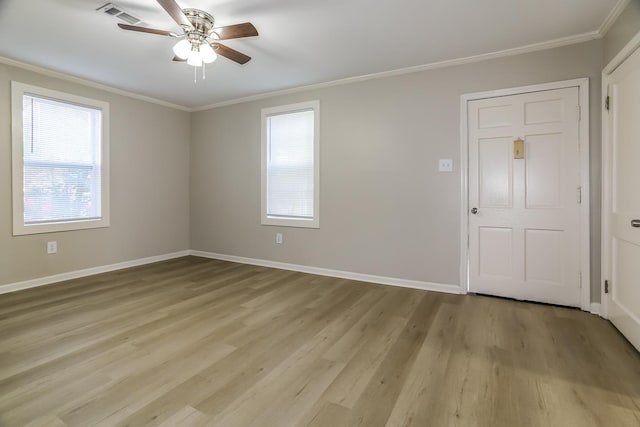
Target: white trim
{"x": 18, "y": 91}
{"x": 583, "y": 135}
{"x": 564, "y": 41}
{"x": 624, "y": 53}
{"x": 382, "y": 280}
{"x": 265, "y": 219}
{"x": 612, "y": 17}
{"x": 585, "y": 207}
{"x": 464, "y": 193}
{"x": 595, "y": 308}
{"x": 526, "y": 89}
{"x": 42, "y": 281}
{"x": 605, "y": 201}
{"x": 534, "y": 47}
{"x": 73, "y": 79}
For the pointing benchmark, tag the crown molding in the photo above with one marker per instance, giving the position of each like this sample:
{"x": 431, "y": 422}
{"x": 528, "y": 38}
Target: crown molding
{"x": 551, "y": 44}
{"x": 612, "y": 17}
{"x": 90, "y": 83}
{"x": 564, "y": 41}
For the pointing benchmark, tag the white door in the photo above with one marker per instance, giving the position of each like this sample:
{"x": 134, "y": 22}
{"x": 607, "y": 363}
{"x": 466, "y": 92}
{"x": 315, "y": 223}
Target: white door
{"x": 623, "y": 212}
{"x": 524, "y": 219}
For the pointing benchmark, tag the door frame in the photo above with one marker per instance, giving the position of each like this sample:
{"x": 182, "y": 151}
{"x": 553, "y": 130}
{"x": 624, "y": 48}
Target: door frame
{"x": 607, "y": 179}
{"x": 583, "y": 140}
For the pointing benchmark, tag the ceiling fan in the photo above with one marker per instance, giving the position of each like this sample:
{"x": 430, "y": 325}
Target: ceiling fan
{"x": 199, "y": 42}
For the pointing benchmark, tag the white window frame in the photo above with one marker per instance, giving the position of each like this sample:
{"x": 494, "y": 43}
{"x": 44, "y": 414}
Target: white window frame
{"x": 285, "y": 109}
{"x": 18, "y": 90}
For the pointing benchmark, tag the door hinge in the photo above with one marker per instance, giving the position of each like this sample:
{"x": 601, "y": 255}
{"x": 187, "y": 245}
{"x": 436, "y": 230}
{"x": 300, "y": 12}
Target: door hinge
{"x": 606, "y": 286}
{"x": 580, "y": 195}
{"x": 607, "y": 100}
{"x": 579, "y": 109}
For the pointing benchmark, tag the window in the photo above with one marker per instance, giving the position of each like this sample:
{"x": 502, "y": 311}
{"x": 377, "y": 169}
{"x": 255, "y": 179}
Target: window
{"x": 60, "y": 161}
{"x": 290, "y": 155}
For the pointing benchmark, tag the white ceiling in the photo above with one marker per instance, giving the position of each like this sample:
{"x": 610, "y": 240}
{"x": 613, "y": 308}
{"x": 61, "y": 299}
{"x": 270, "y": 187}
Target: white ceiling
{"x": 301, "y": 42}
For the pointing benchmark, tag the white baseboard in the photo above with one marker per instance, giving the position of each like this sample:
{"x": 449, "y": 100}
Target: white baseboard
{"x": 42, "y": 281}
{"x": 383, "y": 280}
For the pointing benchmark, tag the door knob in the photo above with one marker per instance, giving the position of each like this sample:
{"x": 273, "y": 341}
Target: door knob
{"x": 635, "y": 223}
{"x": 475, "y": 211}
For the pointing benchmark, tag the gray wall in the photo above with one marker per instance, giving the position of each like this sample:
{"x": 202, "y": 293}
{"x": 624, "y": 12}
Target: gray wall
{"x": 624, "y": 29}
{"x": 384, "y": 208}
{"x": 149, "y": 188}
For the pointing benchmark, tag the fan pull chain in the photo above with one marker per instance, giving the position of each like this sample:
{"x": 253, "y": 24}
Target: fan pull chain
{"x": 204, "y": 74}
{"x": 195, "y": 75}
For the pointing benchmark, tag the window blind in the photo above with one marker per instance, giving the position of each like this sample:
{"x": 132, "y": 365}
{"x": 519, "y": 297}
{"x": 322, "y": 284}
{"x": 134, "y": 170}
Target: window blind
{"x": 290, "y": 170}
{"x": 61, "y": 158}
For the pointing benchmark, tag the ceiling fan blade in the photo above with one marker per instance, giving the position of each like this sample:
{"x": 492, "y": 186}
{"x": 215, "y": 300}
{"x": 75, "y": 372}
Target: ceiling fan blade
{"x": 235, "y": 31}
{"x": 229, "y": 53}
{"x": 178, "y": 59}
{"x": 147, "y": 30}
{"x": 175, "y": 11}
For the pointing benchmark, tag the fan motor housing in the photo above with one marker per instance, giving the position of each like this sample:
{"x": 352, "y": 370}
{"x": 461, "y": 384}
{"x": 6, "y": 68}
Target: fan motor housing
{"x": 202, "y": 22}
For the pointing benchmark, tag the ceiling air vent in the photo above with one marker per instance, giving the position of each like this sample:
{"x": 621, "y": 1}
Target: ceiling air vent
{"x": 117, "y": 12}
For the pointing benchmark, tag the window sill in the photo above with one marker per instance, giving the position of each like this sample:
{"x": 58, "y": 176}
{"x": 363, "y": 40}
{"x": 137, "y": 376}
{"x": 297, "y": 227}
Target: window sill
{"x": 54, "y": 227}
{"x": 291, "y": 222}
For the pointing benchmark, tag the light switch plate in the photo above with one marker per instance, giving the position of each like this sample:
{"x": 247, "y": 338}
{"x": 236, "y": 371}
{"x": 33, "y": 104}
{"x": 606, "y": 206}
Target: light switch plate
{"x": 445, "y": 165}
{"x": 52, "y": 247}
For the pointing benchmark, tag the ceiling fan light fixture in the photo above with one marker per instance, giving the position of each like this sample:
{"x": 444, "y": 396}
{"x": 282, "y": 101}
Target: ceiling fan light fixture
{"x": 208, "y": 54}
{"x": 198, "y": 42}
{"x": 182, "y": 49}
{"x": 195, "y": 58}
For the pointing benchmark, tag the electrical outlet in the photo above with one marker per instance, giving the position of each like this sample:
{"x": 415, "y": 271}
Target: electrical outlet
{"x": 52, "y": 247}
{"x": 279, "y": 238}
{"x": 445, "y": 165}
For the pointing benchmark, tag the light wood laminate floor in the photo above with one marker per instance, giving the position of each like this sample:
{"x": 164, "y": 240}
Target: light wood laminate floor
{"x": 192, "y": 342}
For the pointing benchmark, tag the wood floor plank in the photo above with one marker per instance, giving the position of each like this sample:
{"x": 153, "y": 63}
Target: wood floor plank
{"x": 367, "y": 325}
{"x": 349, "y": 386}
{"x": 186, "y": 417}
{"x": 127, "y": 396}
{"x": 421, "y": 396}
{"x": 160, "y": 411}
{"x": 324, "y": 414}
{"x": 387, "y": 382}
{"x": 46, "y": 382}
{"x": 200, "y": 342}
{"x": 46, "y": 421}
{"x": 46, "y": 405}
{"x": 266, "y": 351}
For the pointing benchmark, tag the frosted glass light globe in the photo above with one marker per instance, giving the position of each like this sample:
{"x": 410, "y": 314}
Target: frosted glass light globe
{"x": 195, "y": 58}
{"x": 208, "y": 54}
{"x": 182, "y": 49}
